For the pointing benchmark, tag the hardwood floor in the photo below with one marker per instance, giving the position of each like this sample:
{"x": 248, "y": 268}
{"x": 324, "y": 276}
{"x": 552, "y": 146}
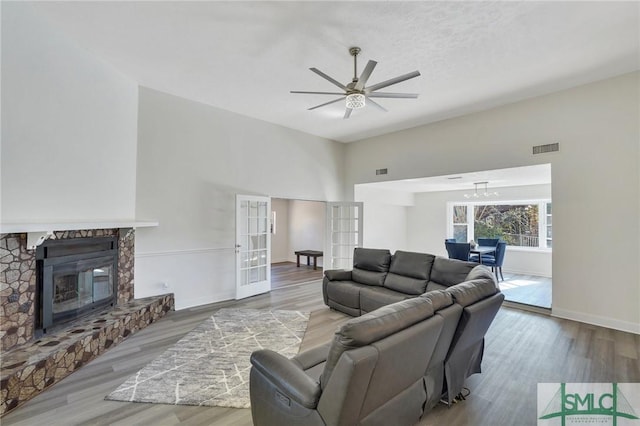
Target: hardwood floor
{"x": 522, "y": 349}
{"x": 287, "y": 273}
{"x": 527, "y": 289}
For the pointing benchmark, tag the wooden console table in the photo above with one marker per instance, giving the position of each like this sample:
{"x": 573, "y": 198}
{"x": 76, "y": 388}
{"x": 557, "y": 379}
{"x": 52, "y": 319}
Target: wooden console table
{"x": 315, "y": 254}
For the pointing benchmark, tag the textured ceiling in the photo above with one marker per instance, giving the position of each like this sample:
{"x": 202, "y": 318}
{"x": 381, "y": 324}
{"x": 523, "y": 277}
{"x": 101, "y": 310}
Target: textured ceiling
{"x": 245, "y": 57}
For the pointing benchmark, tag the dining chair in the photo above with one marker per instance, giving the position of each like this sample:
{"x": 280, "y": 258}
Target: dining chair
{"x": 496, "y": 262}
{"x": 489, "y": 242}
{"x": 458, "y": 251}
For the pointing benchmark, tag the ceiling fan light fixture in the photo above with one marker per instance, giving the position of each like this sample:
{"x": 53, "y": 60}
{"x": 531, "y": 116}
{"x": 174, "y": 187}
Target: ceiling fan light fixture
{"x": 355, "y": 101}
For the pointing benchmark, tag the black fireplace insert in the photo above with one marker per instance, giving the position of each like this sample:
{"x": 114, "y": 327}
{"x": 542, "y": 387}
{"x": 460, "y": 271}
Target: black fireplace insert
{"x": 74, "y": 277}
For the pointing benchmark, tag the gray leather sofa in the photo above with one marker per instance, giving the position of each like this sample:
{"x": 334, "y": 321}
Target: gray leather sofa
{"x": 388, "y": 366}
{"x": 378, "y": 279}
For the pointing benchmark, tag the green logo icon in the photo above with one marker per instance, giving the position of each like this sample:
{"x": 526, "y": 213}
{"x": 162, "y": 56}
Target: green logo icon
{"x": 581, "y": 406}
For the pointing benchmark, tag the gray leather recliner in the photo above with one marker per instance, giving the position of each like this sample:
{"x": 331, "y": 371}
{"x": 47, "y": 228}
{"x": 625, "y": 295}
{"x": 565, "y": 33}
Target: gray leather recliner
{"x": 389, "y": 366}
{"x": 371, "y": 374}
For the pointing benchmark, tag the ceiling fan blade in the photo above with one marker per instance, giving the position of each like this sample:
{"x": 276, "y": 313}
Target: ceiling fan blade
{"x": 347, "y": 113}
{"x": 318, "y": 93}
{"x": 392, "y": 81}
{"x": 326, "y": 103}
{"x": 375, "y": 104}
{"x": 392, "y": 95}
{"x": 326, "y": 77}
{"x": 366, "y": 73}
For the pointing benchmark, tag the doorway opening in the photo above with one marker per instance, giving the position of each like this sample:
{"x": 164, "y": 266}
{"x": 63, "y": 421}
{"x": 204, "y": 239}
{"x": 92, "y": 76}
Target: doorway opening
{"x": 419, "y": 214}
{"x": 297, "y": 225}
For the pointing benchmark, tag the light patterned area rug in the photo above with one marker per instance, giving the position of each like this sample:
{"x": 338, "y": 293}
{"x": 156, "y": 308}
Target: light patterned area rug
{"x": 210, "y": 365}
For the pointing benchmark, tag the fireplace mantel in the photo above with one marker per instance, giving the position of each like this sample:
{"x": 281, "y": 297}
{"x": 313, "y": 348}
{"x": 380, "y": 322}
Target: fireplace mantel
{"x": 15, "y": 228}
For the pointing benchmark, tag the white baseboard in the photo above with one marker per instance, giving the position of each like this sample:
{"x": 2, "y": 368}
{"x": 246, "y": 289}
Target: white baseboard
{"x": 192, "y": 303}
{"x": 601, "y": 321}
{"x": 524, "y": 272}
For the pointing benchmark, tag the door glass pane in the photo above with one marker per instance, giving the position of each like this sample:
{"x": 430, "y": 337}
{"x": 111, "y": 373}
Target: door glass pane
{"x": 262, "y": 225}
{"x": 254, "y": 275}
{"x": 261, "y": 242}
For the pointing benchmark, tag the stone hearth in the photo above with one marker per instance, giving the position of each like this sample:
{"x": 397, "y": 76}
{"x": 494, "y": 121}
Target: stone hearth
{"x": 31, "y": 368}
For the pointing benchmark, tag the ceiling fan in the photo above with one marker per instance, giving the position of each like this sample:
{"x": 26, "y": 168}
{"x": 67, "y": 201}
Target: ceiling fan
{"x": 355, "y": 93}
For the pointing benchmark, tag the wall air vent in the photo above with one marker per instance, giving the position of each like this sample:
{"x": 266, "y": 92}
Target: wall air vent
{"x": 541, "y": 149}
{"x": 381, "y": 171}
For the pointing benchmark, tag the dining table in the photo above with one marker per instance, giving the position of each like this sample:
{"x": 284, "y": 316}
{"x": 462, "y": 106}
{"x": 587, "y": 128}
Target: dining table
{"x": 480, "y": 250}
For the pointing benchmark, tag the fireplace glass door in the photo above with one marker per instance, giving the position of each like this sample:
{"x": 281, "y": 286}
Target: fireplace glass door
{"x": 74, "y": 277}
{"x": 81, "y": 284}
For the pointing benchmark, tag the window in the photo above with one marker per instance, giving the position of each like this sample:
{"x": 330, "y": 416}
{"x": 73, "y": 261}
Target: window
{"x": 548, "y": 225}
{"x": 525, "y": 224}
{"x": 460, "y": 226}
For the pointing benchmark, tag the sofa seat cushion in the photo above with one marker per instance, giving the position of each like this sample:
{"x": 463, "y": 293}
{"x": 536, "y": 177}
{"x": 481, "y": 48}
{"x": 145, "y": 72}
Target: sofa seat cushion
{"x": 368, "y": 277}
{"x": 372, "y": 298}
{"x": 448, "y": 272}
{"x": 432, "y": 286}
{"x": 346, "y": 292}
{"x": 337, "y": 275}
{"x": 374, "y": 326}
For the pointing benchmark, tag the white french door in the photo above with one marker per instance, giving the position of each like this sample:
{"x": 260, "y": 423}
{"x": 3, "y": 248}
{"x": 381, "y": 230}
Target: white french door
{"x": 344, "y": 233}
{"x": 253, "y": 245}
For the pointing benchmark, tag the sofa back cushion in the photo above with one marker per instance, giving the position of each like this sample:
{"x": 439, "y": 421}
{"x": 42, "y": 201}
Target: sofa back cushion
{"x": 370, "y": 266}
{"x": 376, "y": 325}
{"x": 448, "y": 272}
{"x": 479, "y": 272}
{"x": 470, "y": 292}
{"x": 440, "y": 299}
{"x": 409, "y": 272}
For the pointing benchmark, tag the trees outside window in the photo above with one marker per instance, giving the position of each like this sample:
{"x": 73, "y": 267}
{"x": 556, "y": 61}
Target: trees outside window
{"x": 519, "y": 224}
{"x": 515, "y": 224}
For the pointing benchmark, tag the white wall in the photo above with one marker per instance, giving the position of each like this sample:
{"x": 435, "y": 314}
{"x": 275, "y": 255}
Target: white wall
{"x": 192, "y": 160}
{"x": 307, "y": 222}
{"x": 596, "y": 184}
{"x": 280, "y": 240}
{"x": 385, "y": 217}
{"x": 427, "y": 224}
{"x": 69, "y": 128}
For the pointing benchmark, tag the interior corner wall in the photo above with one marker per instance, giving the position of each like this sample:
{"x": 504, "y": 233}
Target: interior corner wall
{"x": 384, "y": 217}
{"x": 595, "y": 189}
{"x": 69, "y": 127}
{"x": 192, "y": 161}
{"x": 280, "y": 240}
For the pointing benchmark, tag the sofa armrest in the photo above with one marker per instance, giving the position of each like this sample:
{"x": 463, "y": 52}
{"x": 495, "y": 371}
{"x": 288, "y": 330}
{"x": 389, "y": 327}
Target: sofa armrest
{"x": 287, "y": 376}
{"x": 338, "y": 275}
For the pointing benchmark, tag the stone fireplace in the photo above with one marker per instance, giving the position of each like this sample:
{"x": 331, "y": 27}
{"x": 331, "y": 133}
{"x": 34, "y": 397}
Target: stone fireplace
{"x": 18, "y": 272}
{"x": 37, "y": 354}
